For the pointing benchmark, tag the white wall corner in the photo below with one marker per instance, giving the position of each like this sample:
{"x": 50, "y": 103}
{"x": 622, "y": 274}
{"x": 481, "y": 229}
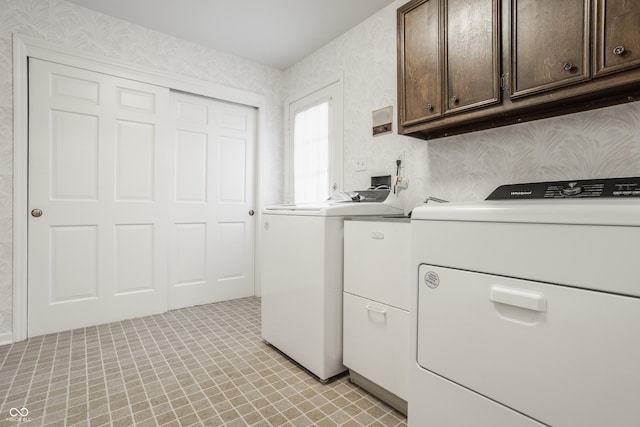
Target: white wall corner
{"x": 6, "y": 338}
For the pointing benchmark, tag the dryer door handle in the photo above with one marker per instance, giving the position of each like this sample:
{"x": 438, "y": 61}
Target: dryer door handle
{"x": 376, "y": 310}
{"x": 524, "y": 299}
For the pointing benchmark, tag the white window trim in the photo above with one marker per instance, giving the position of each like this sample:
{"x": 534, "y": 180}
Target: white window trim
{"x": 335, "y": 88}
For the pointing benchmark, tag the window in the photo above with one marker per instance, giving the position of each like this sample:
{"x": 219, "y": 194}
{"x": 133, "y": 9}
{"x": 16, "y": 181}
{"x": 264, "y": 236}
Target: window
{"x": 314, "y": 148}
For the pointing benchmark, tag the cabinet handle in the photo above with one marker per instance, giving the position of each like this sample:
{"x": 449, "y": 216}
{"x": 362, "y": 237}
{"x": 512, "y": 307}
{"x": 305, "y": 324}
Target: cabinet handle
{"x": 378, "y": 235}
{"x": 375, "y": 310}
{"x": 455, "y": 99}
{"x": 568, "y": 66}
{"x": 429, "y": 107}
{"x": 618, "y": 50}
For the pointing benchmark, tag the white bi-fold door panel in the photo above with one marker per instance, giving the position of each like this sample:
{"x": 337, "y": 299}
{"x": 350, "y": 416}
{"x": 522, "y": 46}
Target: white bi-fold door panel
{"x": 98, "y": 231}
{"x": 212, "y": 224}
{"x": 140, "y": 199}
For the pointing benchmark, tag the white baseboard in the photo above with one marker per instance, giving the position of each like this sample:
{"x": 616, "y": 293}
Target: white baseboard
{"x": 6, "y": 338}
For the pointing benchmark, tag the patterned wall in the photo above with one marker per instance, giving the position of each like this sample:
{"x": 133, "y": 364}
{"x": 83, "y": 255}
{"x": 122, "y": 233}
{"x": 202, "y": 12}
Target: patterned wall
{"x": 600, "y": 143}
{"x": 68, "y": 25}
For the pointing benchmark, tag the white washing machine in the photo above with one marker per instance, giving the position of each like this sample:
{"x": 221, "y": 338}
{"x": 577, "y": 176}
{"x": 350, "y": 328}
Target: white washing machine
{"x": 302, "y": 269}
{"x": 527, "y": 312}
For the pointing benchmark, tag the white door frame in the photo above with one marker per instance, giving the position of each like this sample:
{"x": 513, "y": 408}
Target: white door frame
{"x": 25, "y": 47}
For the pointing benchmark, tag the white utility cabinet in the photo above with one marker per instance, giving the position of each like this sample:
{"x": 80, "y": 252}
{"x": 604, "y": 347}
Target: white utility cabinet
{"x": 377, "y": 255}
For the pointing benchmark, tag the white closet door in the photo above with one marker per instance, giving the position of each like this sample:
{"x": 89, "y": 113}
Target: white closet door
{"x": 212, "y": 235}
{"x": 97, "y": 146}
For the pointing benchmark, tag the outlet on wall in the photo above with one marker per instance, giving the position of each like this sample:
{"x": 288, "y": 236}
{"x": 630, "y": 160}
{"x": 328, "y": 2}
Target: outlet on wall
{"x": 361, "y": 164}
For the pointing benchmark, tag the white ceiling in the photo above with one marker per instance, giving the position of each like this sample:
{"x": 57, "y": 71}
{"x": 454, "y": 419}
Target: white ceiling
{"x": 277, "y": 33}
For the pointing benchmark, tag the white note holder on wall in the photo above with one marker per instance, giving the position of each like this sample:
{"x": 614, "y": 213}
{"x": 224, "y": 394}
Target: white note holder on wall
{"x": 382, "y": 120}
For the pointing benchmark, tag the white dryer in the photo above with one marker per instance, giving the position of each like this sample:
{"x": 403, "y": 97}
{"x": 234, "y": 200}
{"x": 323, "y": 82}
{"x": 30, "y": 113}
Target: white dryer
{"x": 302, "y": 275}
{"x": 527, "y": 312}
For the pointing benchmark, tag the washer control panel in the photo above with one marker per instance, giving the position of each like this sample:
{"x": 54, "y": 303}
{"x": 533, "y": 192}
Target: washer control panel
{"x": 608, "y": 187}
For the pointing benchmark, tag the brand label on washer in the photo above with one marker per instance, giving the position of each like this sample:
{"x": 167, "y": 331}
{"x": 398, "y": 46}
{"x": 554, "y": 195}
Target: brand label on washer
{"x": 431, "y": 279}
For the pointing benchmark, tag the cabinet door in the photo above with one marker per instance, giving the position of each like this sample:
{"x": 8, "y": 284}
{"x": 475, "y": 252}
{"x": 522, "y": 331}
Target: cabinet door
{"x": 376, "y": 343}
{"x": 472, "y": 54}
{"x": 419, "y": 62}
{"x": 617, "y": 45}
{"x": 549, "y": 45}
{"x": 387, "y": 279}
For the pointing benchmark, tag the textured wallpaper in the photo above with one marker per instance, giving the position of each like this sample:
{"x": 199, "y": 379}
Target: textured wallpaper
{"x": 594, "y": 144}
{"x": 66, "y": 24}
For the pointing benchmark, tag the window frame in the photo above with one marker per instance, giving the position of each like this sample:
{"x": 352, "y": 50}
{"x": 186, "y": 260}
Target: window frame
{"x": 332, "y": 90}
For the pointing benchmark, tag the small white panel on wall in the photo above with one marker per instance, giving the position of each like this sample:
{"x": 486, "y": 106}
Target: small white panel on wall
{"x": 191, "y": 167}
{"x": 74, "y": 154}
{"x": 191, "y": 254}
{"x": 134, "y": 258}
{"x": 74, "y": 263}
{"x": 135, "y": 148}
{"x": 382, "y": 120}
{"x": 232, "y": 161}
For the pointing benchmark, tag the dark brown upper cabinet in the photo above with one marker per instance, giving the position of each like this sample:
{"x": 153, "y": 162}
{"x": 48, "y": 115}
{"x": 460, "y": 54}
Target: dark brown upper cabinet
{"x": 549, "y": 45}
{"x": 449, "y": 58}
{"x": 420, "y": 91}
{"x": 617, "y": 44}
{"x": 466, "y": 65}
{"x": 472, "y": 54}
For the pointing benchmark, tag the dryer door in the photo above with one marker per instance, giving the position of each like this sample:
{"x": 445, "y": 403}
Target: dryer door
{"x": 563, "y": 356}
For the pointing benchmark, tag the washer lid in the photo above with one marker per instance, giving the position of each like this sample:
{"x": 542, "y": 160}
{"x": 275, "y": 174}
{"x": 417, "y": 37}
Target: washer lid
{"x": 558, "y": 211}
{"x": 336, "y": 209}
{"x": 348, "y": 203}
